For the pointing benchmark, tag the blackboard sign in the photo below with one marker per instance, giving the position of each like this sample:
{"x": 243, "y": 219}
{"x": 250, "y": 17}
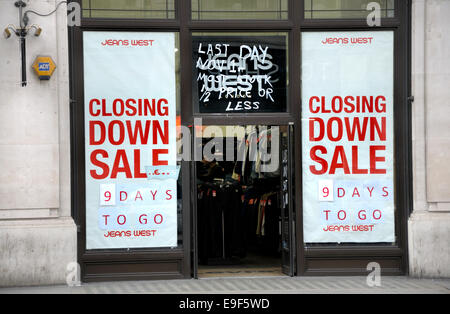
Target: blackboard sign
{"x": 239, "y": 74}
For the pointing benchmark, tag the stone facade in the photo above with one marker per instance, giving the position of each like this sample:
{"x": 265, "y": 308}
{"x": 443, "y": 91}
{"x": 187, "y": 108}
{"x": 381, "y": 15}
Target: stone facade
{"x": 429, "y": 225}
{"x": 37, "y": 233}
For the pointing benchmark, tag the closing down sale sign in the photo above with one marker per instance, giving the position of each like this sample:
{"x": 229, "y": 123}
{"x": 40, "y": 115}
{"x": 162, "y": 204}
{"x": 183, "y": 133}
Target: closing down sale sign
{"x": 130, "y": 130}
{"x": 347, "y": 141}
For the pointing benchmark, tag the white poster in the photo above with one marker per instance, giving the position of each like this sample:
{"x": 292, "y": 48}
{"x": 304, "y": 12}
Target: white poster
{"x": 130, "y": 130}
{"x": 347, "y": 137}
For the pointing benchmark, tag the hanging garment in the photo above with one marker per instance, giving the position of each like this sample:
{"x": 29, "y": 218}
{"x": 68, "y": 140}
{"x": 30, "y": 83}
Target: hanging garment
{"x": 272, "y": 224}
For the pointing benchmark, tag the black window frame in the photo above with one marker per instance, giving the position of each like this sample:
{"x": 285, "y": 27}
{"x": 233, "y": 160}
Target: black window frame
{"x": 326, "y": 260}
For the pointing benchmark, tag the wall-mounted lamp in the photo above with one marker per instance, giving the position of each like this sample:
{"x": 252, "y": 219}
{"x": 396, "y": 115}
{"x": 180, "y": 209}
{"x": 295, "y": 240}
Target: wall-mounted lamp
{"x": 23, "y": 30}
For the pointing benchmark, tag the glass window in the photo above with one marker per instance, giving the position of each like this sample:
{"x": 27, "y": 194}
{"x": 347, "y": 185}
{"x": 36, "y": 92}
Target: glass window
{"x": 133, "y": 197}
{"x": 348, "y": 9}
{"x": 348, "y": 137}
{"x": 239, "y": 9}
{"x": 240, "y": 73}
{"x": 135, "y": 9}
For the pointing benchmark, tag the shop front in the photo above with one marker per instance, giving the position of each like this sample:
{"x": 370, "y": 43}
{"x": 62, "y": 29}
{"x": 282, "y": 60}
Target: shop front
{"x": 240, "y": 138}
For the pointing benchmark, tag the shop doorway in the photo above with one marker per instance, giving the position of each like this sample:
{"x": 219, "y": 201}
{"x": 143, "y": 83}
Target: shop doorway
{"x": 243, "y": 216}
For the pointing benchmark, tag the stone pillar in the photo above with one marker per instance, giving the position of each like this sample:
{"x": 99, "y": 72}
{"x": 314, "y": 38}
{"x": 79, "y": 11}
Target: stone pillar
{"x": 37, "y": 233}
{"x": 429, "y": 224}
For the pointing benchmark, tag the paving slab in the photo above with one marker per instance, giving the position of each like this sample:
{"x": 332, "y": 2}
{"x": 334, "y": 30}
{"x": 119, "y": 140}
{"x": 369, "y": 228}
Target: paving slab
{"x": 250, "y": 285}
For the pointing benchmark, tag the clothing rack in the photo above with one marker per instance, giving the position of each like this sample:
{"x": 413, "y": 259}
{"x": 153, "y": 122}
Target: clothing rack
{"x": 228, "y": 225}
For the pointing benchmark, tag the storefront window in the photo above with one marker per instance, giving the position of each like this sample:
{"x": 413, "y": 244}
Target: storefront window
{"x": 348, "y": 137}
{"x": 133, "y": 189}
{"x": 239, "y": 9}
{"x": 240, "y": 73}
{"x": 345, "y": 9}
{"x": 151, "y": 86}
{"x": 135, "y": 9}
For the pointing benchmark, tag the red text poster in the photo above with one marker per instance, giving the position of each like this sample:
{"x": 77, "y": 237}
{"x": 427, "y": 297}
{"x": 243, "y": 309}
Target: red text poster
{"x": 130, "y": 130}
{"x": 347, "y": 137}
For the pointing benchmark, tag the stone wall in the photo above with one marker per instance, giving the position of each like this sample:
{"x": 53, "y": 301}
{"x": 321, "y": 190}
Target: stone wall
{"x": 429, "y": 225}
{"x": 37, "y": 234}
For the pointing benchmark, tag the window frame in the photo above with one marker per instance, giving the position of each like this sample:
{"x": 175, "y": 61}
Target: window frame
{"x": 331, "y": 260}
{"x": 348, "y": 19}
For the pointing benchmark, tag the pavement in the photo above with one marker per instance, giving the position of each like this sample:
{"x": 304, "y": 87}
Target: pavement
{"x": 250, "y": 285}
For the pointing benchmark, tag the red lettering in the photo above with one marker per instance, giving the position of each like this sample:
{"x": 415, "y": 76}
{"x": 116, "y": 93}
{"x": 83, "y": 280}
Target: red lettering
{"x": 311, "y": 109}
{"x": 156, "y": 160}
{"x": 339, "y": 214}
{"x": 312, "y": 138}
{"x": 124, "y": 220}
{"x": 143, "y": 219}
{"x": 160, "y": 219}
{"x": 339, "y": 152}
{"x": 121, "y": 156}
{"x": 137, "y": 165}
{"x": 143, "y": 135}
{"x": 330, "y": 129}
{"x": 92, "y": 125}
{"x": 321, "y": 161}
{"x": 379, "y": 216}
{"x": 355, "y": 168}
{"x": 375, "y": 127}
{"x": 106, "y": 219}
{"x": 164, "y": 135}
{"x": 138, "y": 195}
{"x": 111, "y": 132}
{"x": 91, "y": 107}
{"x": 374, "y": 159}
{"x": 356, "y": 127}
{"x": 363, "y": 215}
{"x": 99, "y": 164}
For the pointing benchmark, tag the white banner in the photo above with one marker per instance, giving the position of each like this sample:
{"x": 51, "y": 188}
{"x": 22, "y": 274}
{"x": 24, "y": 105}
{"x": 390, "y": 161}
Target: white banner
{"x": 130, "y": 126}
{"x": 347, "y": 137}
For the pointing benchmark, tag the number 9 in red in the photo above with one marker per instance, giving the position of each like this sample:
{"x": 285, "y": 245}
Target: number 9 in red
{"x": 107, "y": 196}
{"x": 326, "y": 192}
